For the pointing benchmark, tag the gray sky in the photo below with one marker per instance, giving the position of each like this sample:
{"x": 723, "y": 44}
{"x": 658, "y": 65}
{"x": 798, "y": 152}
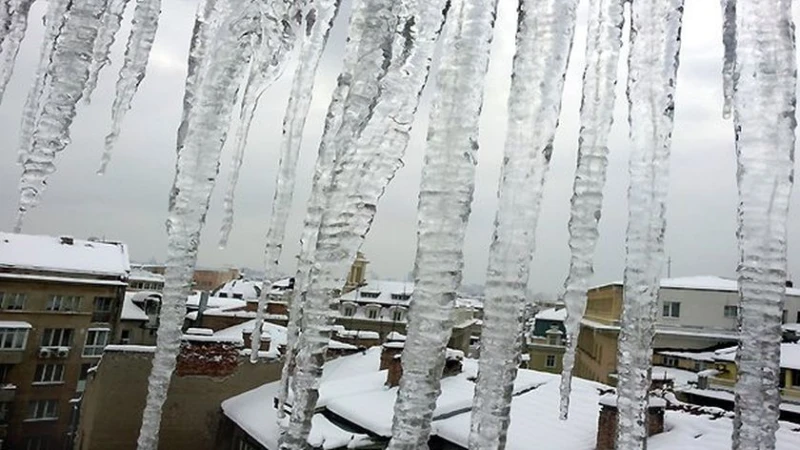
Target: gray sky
{"x": 130, "y": 201}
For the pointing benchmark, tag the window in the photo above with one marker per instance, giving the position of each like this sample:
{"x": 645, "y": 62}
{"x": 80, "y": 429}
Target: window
{"x": 36, "y": 443}
{"x": 12, "y": 302}
{"x": 798, "y": 317}
{"x": 401, "y": 296}
{"x": 63, "y": 303}
{"x": 49, "y": 373}
{"x": 13, "y": 338}
{"x": 349, "y": 311}
{"x": 372, "y": 313}
{"x": 397, "y": 315}
{"x": 125, "y": 337}
{"x": 731, "y": 311}
{"x": 370, "y": 294}
{"x": 42, "y": 410}
{"x": 698, "y": 366}
{"x": 96, "y": 341}
{"x": 670, "y": 361}
{"x": 550, "y": 361}
{"x": 5, "y": 412}
{"x": 672, "y": 309}
{"x": 85, "y": 368}
{"x": 57, "y": 337}
{"x": 102, "y": 309}
{"x": 4, "y": 370}
{"x": 784, "y": 316}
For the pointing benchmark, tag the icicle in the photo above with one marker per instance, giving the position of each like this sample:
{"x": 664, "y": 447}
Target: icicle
{"x": 544, "y": 41}
{"x": 263, "y": 73}
{"x": 603, "y": 44}
{"x": 51, "y": 104}
{"x": 12, "y": 31}
{"x": 140, "y": 41}
{"x": 379, "y": 121}
{"x": 112, "y": 18}
{"x": 652, "y": 74}
{"x": 225, "y": 36}
{"x": 729, "y": 41}
{"x": 317, "y": 21}
{"x": 764, "y": 120}
{"x": 54, "y": 21}
{"x": 448, "y": 180}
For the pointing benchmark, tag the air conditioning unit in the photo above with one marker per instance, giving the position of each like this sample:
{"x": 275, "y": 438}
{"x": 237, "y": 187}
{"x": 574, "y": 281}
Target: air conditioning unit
{"x": 63, "y": 352}
{"x": 45, "y": 353}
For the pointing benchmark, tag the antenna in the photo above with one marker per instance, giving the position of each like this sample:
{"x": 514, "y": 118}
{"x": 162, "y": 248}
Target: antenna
{"x": 669, "y": 267}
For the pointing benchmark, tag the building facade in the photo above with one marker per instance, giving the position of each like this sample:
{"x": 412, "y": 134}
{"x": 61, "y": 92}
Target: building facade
{"x": 61, "y": 301}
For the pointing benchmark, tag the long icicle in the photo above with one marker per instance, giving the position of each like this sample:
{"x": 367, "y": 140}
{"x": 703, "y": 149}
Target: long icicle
{"x": 652, "y": 75}
{"x": 263, "y": 73}
{"x": 10, "y": 39}
{"x": 362, "y": 173}
{"x": 317, "y": 21}
{"x": 140, "y": 42}
{"x": 51, "y": 109}
{"x": 225, "y": 36}
{"x": 54, "y": 22}
{"x": 729, "y": 42}
{"x": 112, "y": 19}
{"x": 544, "y": 41}
{"x": 765, "y": 107}
{"x": 446, "y": 190}
{"x": 603, "y": 44}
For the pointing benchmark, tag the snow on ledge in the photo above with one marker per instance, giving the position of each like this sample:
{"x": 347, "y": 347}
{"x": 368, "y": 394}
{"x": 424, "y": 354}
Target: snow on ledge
{"x": 15, "y": 324}
{"x": 131, "y": 348}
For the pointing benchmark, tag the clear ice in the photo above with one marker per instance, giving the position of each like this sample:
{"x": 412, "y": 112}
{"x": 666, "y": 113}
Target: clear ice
{"x": 13, "y": 24}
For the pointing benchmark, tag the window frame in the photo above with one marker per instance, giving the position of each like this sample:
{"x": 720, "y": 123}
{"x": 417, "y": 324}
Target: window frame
{"x": 56, "y": 374}
{"x": 19, "y": 339}
{"x": 42, "y": 410}
{"x": 726, "y": 311}
{"x": 5, "y": 301}
{"x": 373, "y": 313}
{"x": 669, "y": 309}
{"x": 63, "y": 303}
{"x": 547, "y": 363}
{"x": 94, "y": 346}
{"x": 64, "y": 334}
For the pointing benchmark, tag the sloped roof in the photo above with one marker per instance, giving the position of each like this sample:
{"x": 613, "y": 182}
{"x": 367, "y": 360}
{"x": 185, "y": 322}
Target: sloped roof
{"x": 790, "y": 355}
{"x": 48, "y": 253}
{"x": 130, "y": 309}
{"x": 554, "y": 314}
{"x": 700, "y": 283}
{"x": 384, "y": 291}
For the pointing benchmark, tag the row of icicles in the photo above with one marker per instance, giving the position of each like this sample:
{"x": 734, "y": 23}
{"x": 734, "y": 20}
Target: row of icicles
{"x": 240, "y": 47}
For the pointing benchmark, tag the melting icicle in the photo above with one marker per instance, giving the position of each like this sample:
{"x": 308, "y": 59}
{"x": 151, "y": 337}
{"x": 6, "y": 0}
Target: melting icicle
{"x": 652, "y": 73}
{"x": 544, "y": 41}
{"x": 404, "y": 33}
{"x": 140, "y": 42}
{"x": 51, "y": 104}
{"x": 603, "y": 44}
{"x": 54, "y": 21}
{"x": 448, "y": 179}
{"x": 13, "y": 24}
{"x": 112, "y": 18}
{"x": 263, "y": 73}
{"x": 729, "y": 41}
{"x": 764, "y": 118}
{"x": 225, "y": 36}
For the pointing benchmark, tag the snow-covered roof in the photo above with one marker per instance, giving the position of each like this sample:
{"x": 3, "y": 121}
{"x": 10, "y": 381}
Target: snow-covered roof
{"x": 694, "y": 356}
{"x": 242, "y": 289}
{"x": 381, "y": 292}
{"x": 14, "y": 324}
{"x": 790, "y": 355}
{"x": 193, "y": 302}
{"x": 700, "y": 283}
{"x": 63, "y": 255}
{"x": 469, "y": 303}
{"x": 130, "y": 305}
{"x": 554, "y": 314}
{"x": 139, "y": 274}
{"x": 277, "y": 335}
{"x": 395, "y": 336}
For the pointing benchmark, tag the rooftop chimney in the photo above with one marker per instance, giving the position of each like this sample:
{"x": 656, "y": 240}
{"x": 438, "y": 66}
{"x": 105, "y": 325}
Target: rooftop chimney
{"x": 67, "y": 240}
{"x": 391, "y": 362}
{"x": 789, "y": 284}
{"x": 607, "y": 420}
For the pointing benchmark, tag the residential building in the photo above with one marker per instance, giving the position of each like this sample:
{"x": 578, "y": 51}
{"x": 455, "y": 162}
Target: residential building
{"x": 546, "y": 344}
{"x": 61, "y": 299}
{"x": 694, "y": 313}
{"x": 725, "y": 371}
{"x": 204, "y": 279}
{"x": 139, "y": 318}
{"x": 143, "y": 280}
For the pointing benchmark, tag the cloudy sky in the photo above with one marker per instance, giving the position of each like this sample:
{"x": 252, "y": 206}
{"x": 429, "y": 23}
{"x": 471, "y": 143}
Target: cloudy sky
{"x": 130, "y": 201}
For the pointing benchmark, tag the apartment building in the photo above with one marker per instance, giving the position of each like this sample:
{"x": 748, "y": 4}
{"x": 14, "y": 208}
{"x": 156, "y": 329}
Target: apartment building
{"x": 60, "y": 301}
{"x": 694, "y": 313}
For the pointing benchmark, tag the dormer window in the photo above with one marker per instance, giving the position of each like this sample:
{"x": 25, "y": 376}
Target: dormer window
{"x": 370, "y": 294}
{"x": 401, "y": 296}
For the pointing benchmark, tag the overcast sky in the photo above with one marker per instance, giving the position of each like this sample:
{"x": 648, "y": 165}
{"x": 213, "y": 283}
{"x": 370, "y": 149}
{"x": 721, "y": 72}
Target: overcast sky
{"x": 130, "y": 202}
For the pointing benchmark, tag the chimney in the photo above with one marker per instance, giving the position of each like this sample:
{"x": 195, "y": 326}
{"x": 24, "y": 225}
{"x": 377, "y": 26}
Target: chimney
{"x": 247, "y": 338}
{"x": 202, "y": 306}
{"x": 67, "y": 240}
{"x": 789, "y": 284}
{"x": 607, "y": 420}
{"x": 452, "y": 362}
{"x": 391, "y": 362}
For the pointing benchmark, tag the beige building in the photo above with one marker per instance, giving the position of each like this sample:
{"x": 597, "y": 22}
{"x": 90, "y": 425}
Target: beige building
{"x": 203, "y": 280}
{"x": 61, "y": 301}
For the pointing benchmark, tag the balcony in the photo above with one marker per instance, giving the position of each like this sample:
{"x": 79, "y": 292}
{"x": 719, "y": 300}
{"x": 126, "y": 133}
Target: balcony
{"x": 7, "y": 393}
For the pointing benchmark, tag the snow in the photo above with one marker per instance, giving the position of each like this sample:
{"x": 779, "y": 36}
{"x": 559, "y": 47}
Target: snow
{"x": 554, "y": 314}
{"x": 65, "y": 280}
{"x": 358, "y": 334}
{"x": 200, "y": 331}
{"x": 700, "y": 283}
{"x": 384, "y": 290}
{"x": 680, "y": 377}
{"x": 276, "y": 334}
{"x": 139, "y": 274}
{"x": 241, "y": 289}
{"x": 130, "y": 309}
{"x": 47, "y": 253}
{"x": 130, "y": 348}
{"x": 694, "y": 356}
{"x": 395, "y": 336}
{"x": 790, "y": 355}
{"x": 14, "y": 324}
{"x": 193, "y": 302}
{"x": 213, "y": 338}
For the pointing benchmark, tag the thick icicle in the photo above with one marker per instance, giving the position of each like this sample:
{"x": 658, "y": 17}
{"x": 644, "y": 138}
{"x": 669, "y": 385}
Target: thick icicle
{"x": 52, "y": 101}
{"x": 264, "y": 70}
{"x": 764, "y": 117}
{"x": 112, "y": 18}
{"x": 402, "y": 38}
{"x": 225, "y": 34}
{"x": 447, "y": 185}
{"x": 140, "y": 41}
{"x": 603, "y": 44}
{"x": 12, "y": 31}
{"x": 544, "y": 40}
{"x": 729, "y": 42}
{"x": 54, "y": 21}
{"x": 652, "y": 74}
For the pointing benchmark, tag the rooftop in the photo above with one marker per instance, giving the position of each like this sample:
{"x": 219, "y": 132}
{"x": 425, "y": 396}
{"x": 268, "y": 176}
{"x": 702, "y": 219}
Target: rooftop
{"x": 139, "y": 274}
{"x": 241, "y": 289}
{"x": 790, "y": 355}
{"x": 130, "y": 305}
{"x": 554, "y": 314}
{"x": 700, "y": 283}
{"x": 63, "y": 255}
{"x": 381, "y": 292}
